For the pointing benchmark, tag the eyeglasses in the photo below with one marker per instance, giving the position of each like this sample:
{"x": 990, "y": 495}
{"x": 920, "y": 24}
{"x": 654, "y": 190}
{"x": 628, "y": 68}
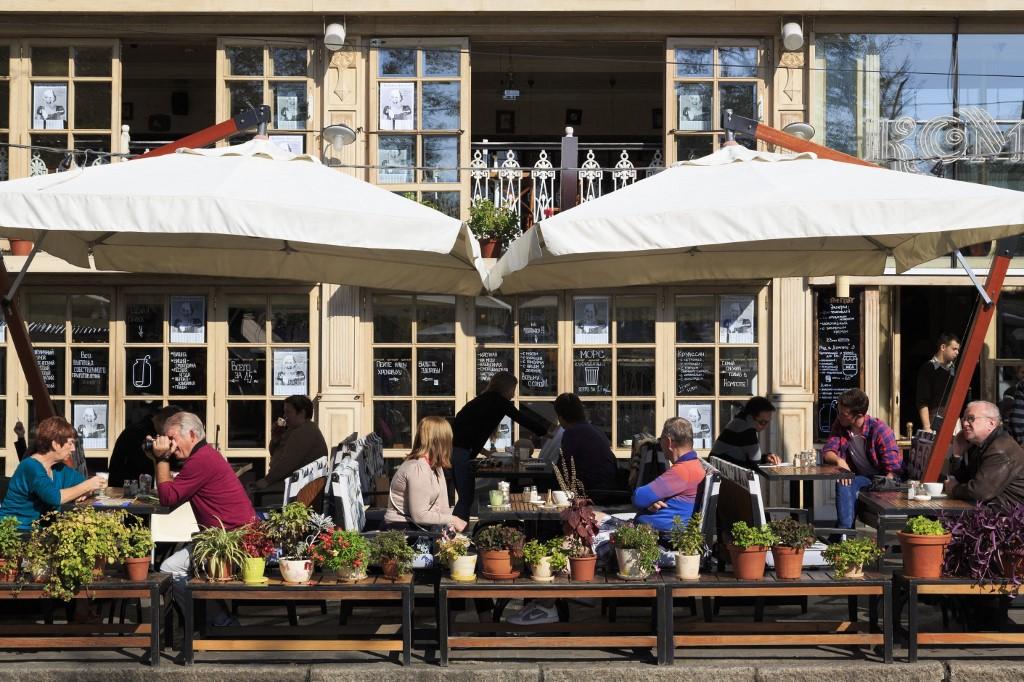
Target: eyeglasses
{"x": 971, "y": 418}
{"x": 762, "y": 422}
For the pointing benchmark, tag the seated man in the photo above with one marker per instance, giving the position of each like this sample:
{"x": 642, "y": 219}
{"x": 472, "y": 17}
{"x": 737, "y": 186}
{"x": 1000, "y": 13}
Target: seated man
{"x": 991, "y": 468}
{"x": 863, "y": 445}
{"x": 128, "y": 460}
{"x": 585, "y": 449}
{"x": 675, "y": 491}
{"x": 207, "y": 482}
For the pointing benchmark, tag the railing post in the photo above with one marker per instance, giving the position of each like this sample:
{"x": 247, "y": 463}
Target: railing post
{"x": 569, "y": 178}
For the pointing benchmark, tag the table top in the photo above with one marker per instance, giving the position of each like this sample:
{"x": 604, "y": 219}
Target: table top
{"x": 610, "y": 579}
{"x": 896, "y": 503}
{"x": 322, "y": 581}
{"x": 115, "y": 499}
{"x": 786, "y": 472}
{"x": 109, "y": 581}
{"x": 520, "y": 510}
{"x": 514, "y": 469}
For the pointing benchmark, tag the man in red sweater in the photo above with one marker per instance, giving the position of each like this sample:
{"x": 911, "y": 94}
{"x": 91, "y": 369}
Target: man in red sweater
{"x": 208, "y": 483}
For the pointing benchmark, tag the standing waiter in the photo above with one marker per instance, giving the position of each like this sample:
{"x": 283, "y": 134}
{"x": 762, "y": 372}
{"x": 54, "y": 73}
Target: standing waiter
{"x": 474, "y": 423}
{"x": 933, "y": 378}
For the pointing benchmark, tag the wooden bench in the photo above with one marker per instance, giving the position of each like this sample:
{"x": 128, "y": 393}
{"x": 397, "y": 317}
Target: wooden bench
{"x": 33, "y": 636}
{"x": 576, "y": 635}
{"x": 796, "y": 633}
{"x": 322, "y": 588}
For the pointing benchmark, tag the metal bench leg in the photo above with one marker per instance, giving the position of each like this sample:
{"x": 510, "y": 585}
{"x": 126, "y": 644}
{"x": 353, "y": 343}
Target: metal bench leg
{"x": 155, "y": 616}
{"x": 442, "y": 627}
{"x": 887, "y": 624}
{"x": 912, "y": 623}
{"x": 706, "y": 608}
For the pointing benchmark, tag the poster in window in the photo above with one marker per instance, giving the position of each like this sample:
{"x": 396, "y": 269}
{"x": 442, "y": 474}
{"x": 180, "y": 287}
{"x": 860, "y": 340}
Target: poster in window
{"x": 694, "y": 101}
{"x": 90, "y": 421}
{"x": 700, "y": 417}
{"x": 188, "y": 319}
{"x": 296, "y": 144}
{"x": 737, "y": 315}
{"x": 144, "y": 371}
{"x": 397, "y": 106}
{"x": 591, "y": 319}
{"x": 187, "y": 371}
{"x": 49, "y": 106}
{"x": 247, "y": 371}
{"x": 287, "y": 110}
{"x": 592, "y": 371}
{"x": 291, "y": 372}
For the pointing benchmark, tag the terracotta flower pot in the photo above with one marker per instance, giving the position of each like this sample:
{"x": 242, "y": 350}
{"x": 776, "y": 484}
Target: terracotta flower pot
{"x": 688, "y": 566}
{"x": 296, "y": 570}
{"x": 390, "y": 568}
{"x": 20, "y": 247}
{"x": 748, "y": 562}
{"x": 582, "y": 568}
{"x": 789, "y": 562}
{"x": 923, "y": 554}
{"x": 9, "y": 569}
{"x": 464, "y": 567}
{"x": 489, "y": 248}
{"x": 351, "y": 574}
{"x": 137, "y": 569}
{"x": 253, "y": 569}
{"x": 496, "y": 561}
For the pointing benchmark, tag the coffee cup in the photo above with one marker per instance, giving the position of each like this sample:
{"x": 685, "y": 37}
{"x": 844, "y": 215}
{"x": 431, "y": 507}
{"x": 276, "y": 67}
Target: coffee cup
{"x": 497, "y": 498}
{"x": 100, "y": 492}
{"x": 560, "y": 497}
{"x": 933, "y": 489}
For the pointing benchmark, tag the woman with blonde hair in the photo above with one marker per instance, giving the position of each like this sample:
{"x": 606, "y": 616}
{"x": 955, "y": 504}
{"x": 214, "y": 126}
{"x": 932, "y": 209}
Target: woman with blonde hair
{"x": 419, "y": 494}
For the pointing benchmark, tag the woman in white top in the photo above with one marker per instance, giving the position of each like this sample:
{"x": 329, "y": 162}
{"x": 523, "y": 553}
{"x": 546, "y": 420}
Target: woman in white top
{"x": 419, "y": 494}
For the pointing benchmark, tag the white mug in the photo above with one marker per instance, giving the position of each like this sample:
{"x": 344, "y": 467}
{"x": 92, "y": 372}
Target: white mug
{"x": 560, "y": 497}
{"x": 933, "y": 488}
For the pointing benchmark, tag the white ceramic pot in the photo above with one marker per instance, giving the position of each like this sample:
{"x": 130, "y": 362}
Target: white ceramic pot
{"x": 464, "y": 566}
{"x": 541, "y": 571}
{"x": 350, "y": 574}
{"x": 296, "y": 570}
{"x": 687, "y": 566}
{"x": 629, "y": 563}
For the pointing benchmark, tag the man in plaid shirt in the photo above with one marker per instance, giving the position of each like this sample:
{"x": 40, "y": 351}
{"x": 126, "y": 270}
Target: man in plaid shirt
{"x": 863, "y": 445}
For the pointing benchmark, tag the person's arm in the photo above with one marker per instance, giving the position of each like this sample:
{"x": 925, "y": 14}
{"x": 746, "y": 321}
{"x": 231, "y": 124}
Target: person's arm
{"x": 890, "y": 457}
{"x": 991, "y": 479}
{"x": 536, "y": 424}
{"x": 830, "y": 453}
{"x": 419, "y": 483}
{"x": 660, "y": 489}
{"x": 50, "y": 492}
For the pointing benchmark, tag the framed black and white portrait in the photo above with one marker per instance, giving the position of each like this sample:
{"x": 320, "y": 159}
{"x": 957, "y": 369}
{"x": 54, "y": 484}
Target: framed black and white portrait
{"x": 737, "y": 319}
{"x": 90, "y": 421}
{"x": 700, "y": 417}
{"x": 397, "y": 103}
{"x": 291, "y": 371}
{"x": 590, "y": 320}
{"x": 49, "y": 106}
{"x": 694, "y": 105}
{"x": 188, "y": 319}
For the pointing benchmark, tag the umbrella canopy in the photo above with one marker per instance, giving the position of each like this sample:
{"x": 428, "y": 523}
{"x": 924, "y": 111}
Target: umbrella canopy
{"x": 740, "y": 214}
{"x": 252, "y": 210}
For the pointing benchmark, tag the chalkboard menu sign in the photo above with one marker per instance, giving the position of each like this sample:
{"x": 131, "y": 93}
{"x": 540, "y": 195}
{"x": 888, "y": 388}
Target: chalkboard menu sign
{"x": 490, "y": 361}
{"x": 435, "y": 371}
{"x": 737, "y": 371}
{"x": 695, "y": 371}
{"x": 89, "y": 371}
{"x": 592, "y": 371}
{"x": 392, "y": 371}
{"x": 51, "y": 365}
{"x": 837, "y": 358}
{"x": 144, "y": 322}
{"x": 144, "y": 371}
{"x": 247, "y": 371}
{"x": 538, "y": 371}
{"x": 186, "y": 371}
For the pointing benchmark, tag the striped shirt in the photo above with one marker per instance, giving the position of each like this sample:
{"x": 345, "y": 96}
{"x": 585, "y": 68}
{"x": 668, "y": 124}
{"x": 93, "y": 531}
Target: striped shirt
{"x": 1015, "y": 422}
{"x": 738, "y": 442}
{"x": 677, "y": 488}
{"x": 879, "y": 444}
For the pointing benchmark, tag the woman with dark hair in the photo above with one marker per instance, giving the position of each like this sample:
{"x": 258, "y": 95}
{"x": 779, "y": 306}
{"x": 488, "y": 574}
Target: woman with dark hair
{"x": 43, "y": 482}
{"x": 739, "y": 442}
{"x": 295, "y": 441}
{"x": 585, "y": 448}
{"x": 474, "y": 424}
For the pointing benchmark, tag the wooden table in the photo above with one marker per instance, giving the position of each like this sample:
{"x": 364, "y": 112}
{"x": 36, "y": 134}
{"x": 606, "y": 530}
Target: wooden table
{"x": 802, "y": 480}
{"x": 893, "y": 508}
{"x": 520, "y": 510}
{"x": 576, "y": 636}
{"x": 115, "y": 500}
{"x": 299, "y": 638}
{"x": 91, "y": 635}
{"x": 517, "y": 470}
{"x": 811, "y": 584}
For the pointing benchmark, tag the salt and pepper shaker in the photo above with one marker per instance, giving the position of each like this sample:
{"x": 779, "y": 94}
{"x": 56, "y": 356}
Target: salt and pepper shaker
{"x": 911, "y": 489}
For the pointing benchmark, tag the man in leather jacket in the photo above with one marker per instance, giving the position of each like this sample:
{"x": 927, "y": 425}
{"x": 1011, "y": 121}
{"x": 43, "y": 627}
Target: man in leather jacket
{"x": 991, "y": 469}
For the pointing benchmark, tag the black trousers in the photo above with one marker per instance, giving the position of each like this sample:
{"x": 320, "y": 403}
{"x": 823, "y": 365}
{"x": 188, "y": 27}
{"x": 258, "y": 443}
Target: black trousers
{"x": 465, "y": 481}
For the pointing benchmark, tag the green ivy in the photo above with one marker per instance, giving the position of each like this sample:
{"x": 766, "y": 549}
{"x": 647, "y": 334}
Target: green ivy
{"x": 744, "y": 536}
{"x": 921, "y": 525}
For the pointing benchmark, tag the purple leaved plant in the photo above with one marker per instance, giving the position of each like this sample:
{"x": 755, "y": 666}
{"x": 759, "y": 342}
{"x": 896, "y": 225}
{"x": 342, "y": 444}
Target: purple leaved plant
{"x": 987, "y": 545}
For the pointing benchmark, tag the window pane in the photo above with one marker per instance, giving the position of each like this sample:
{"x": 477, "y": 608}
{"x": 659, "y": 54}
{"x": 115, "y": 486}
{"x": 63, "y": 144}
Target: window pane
{"x": 545, "y": 410}
{"x": 592, "y": 371}
{"x": 435, "y": 408}
{"x": 392, "y": 319}
{"x": 392, "y": 421}
{"x": 144, "y": 371}
{"x": 245, "y": 61}
{"x": 196, "y": 407}
{"x": 47, "y": 316}
{"x": 435, "y": 319}
{"x": 737, "y": 371}
{"x": 738, "y": 321}
{"x": 186, "y": 371}
{"x": 247, "y": 319}
{"x": 633, "y": 418}
{"x": 145, "y": 319}
{"x": 5, "y": 95}
{"x": 727, "y": 410}
{"x": 694, "y": 106}
{"x": 290, "y": 319}
{"x": 493, "y": 320}
{"x": 490, "y": 361}
{"x": 49, "y": 61}
{"x": 1010, "y": 326}
{"x": 99, "y": 144}
{"x": 397, "y": 62}
{"x": 92, "y": 61}
{"x": 635, "y": 368}
{"x": 740, "y": 97}
{"x": 690, "y": 147}
{"x": 51, "y": 366}
{"x": 288, "y": 61}
{"x": 90, "y": 318}
{"x": 538, "y": 371}
{"x": 90, "y": 421}
{"x": 634, "y": 319}
{"x": 244, "y": 96}
{"x": 695, "y": 319}
{"x": 3, "y": 371}
{"x": 247, "y": 424}
{"x": 291, "y": 106}
{"x": 89, "y": 371}
{"x": 737, "y": 62}
{"x": 538, "y": 319}
{"x": 59, "y": 407}
{"x": 247, "y": 371}
{"x": 448, "y": 203}
{"x": 695, "y": 371}
{"x": 442, "y": 61}
{"x": 435, "y": 371}
{"x": 397, "y": 157}
{"x": 44, "y": 161}
{"x": 599, "y": 414}
{"x": 701, "y": 417}
{"x": 441, "y": 158}
{"x": 392, "y": 371}
{"x": 694, "y": 62}
{"x": 441, "y": 106}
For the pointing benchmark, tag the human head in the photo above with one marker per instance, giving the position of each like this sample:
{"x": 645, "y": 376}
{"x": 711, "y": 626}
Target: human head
{"x": 504, "y": 383}
{"x": 185, "y": 309}
{"x": 288, "y": 362}
{"x": 89, "y": 414}
{"x": 185, "y": 430}
{"x": 301, "y": 409}
{"x": 396, "y": 96}
{"x": 853, "y": 405}
{"x": 980, "y": 419}
{"x": 55, "y": 436}
{"x": 948, "y": 346}
{"x": 589, "y": 313}
{"x": 676, "y": 437}
{"x": 434, "y": 442}
{"x": 49, "y": 96}
{"x": 162, "y": 415}
{"x": 760, "y": 410}
{"x": 569, "y": 409}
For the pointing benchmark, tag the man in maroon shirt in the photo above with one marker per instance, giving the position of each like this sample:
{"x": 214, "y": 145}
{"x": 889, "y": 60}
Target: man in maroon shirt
{"x": 208, "y": 483}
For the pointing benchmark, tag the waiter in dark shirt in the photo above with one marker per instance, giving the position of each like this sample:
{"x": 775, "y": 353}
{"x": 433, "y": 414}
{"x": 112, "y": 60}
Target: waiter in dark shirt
{"x": 586, "y": 448}
{"x": 933, "y": 378}
{"x": 474, "y": 424}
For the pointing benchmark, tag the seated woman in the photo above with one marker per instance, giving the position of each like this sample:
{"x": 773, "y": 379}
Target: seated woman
{"x": 739, "y": 442}
{"x": 419, "y": 494}
{"x": 584, "y": 447}
{"x": 675, "y": 491}
{"x": 42, "y": 481}
{"x": 293, "y": 445}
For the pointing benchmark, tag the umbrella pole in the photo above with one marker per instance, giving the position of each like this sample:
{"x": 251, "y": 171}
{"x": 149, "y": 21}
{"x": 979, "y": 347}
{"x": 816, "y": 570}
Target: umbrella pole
{"x": 23, "y": 346}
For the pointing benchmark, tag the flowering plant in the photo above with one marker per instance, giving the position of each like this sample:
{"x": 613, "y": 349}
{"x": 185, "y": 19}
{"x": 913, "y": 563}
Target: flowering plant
{"x": 341, "y": 549}
{"x": 451, "y": 545}
{"x": 255, "y": 542}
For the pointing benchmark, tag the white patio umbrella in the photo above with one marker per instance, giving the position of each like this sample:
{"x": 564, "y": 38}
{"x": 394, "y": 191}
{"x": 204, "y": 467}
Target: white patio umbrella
{"x": 252, "y": 210}
{"x": 740, "y": 214}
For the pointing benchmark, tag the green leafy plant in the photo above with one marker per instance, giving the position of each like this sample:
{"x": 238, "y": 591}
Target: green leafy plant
{"x": 641, "y": 538}
{"x": 215, "y": 547}
{"x": 744, "y": 536}
{"x": 792, "y": 533}
{"x": 499, "y": 538}
{"x": 922, "y": 525}
{"x": 392, "y": 544}
{"x": 488, "y": 221}
{"x": 295, "y": 529}
{"x": 849, "y": 555}
{"x": 450, "y": 546}
{"x": 138, "y": 542}
{"x": 342, "y": 549}
{"x": 12, "y": 545}
{"x": 554, "y": 550}
{"x": 687, "y": 538}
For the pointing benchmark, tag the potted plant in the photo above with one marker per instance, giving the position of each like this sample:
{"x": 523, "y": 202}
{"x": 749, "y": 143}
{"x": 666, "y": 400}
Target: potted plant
{"x": 453, "y": 552}
{"x": 749, "y": 549}
{"x": 580, "y": 525}
{"x": 688, "y": 542}
{"x": 496, "y": 545}
{"x": 392, "y": 552}
{"x": 849, "y": 556}
{"x": 137, "y": 552}
{"x": 788, "y": 551}
{"x": 636, "y": 549}
{"x": 296, "y": 529}
{"x": 345, "y": 552}
{"x": 12, "y": 548}
{"x": 923, "y": 544}
{"x": 545, "y": 559}
{"x": 217, "y": 552}
{"x": 256, "y": 546}
{"x": 494, "y": 226}
{"x": 987, "y": 545}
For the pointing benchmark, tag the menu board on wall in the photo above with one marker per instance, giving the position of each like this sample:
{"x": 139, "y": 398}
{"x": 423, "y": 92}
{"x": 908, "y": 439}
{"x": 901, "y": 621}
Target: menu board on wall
{"x": 695, "y": 370}
{"x": 392, "y": 373}
{"x": 538, "y": 371}
{"x": 247, "y": 371}
{"x": 837, "y": 358}
{"x": 490, "y": 361}
{"x": 89, "y": 371}
{"x": 592, "y": 371}
{"x": 737, "y": 371}
{"x": 51, "y": 365}
{"x": 187, "y": 371}
{"x": 435, "y": 371}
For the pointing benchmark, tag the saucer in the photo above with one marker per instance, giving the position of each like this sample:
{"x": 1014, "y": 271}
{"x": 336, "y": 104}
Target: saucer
{"x": 500, "y": 507}
{"x": 923, "y": 498}
{"x": 501, "y": 576}
{"x": 262, "y": 581}
{"x": 464, "y": 578}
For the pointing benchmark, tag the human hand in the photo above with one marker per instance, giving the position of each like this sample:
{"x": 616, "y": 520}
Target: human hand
{"x": 95, "y": 483}
{"x": 949, "y": 484}
{"x": 162, "y": 446}
{"x": 656, "y": 506}
{"x": 842, "y": 464}
{"x": 772, "y": 459}
{"x": 19, "y": 429}
{"x": 458, "y": 524}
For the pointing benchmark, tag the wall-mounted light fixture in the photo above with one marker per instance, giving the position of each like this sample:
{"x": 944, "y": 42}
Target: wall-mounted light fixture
{"x": 792, "y": 35}
{"x": 804, "y": 131}
{"x": 334, "y": 37}
{"x": 338, "y": 135}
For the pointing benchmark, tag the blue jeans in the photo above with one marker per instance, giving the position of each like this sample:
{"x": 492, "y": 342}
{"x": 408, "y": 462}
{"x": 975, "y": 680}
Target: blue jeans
{"x": 846, "y": 499}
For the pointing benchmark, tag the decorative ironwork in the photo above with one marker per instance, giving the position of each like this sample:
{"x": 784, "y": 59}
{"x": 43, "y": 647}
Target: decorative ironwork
{"x": 543, "y": 178}
{"x": 592, "y": 176}
{"x": 510, "y": 183}
{"x": 624, "y": 173}
{"x": 656, "y": 165}
{"x": 479, "y": 173}
{"x": 4, "y": 164}
{"x": 37, "y": 166}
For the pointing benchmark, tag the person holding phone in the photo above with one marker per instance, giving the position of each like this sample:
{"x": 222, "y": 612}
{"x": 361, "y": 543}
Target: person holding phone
{"x": 295, "y": 441}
